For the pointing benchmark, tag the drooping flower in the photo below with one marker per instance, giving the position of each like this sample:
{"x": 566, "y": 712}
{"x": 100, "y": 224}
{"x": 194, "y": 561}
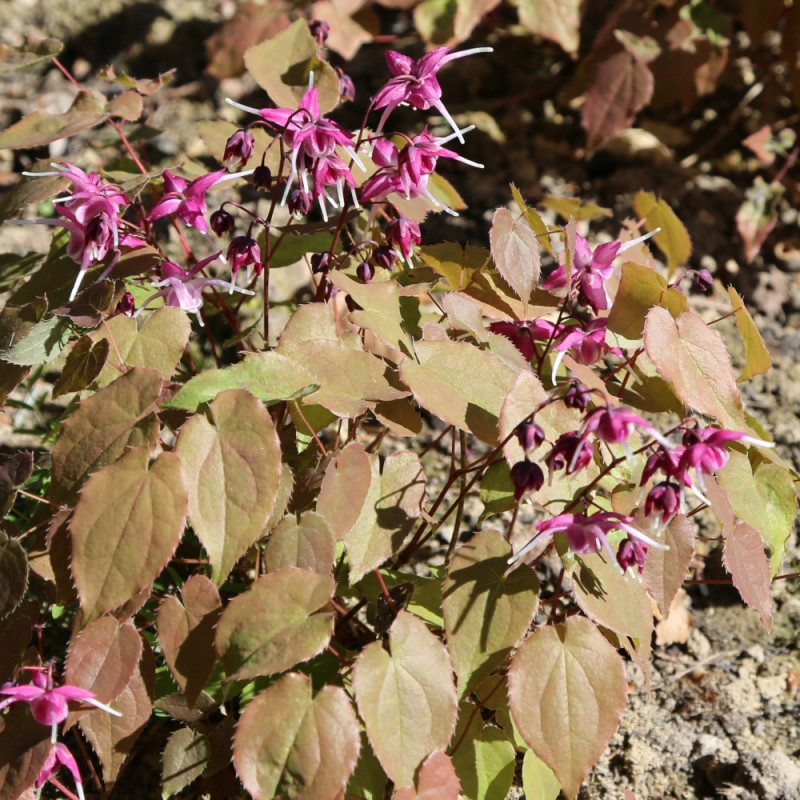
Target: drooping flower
{"x": 524, "y": 334}
{"x": 186, "y": 200}
{"x": 416, "y": 83}
{"x": 238, "y": 148}
{"x": 243, "y": 251}
{"x": 59, "y": 756}
{"x": 402, "y": 233}
{"x": 526, "y": 477}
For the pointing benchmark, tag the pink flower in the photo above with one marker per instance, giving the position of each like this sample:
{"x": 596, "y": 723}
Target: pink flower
{"x": 416, "y": 83}
{"x": 186, "y": 200}
{"x": 59, "y": 756}
{"x": 48, "y": 703}
{"x": 526, "y": 477}
{"x": 402, "y": 234}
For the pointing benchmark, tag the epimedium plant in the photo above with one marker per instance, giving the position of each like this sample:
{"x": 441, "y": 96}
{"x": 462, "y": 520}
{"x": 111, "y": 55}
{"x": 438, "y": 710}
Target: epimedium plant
{"x": 234, "y": 528}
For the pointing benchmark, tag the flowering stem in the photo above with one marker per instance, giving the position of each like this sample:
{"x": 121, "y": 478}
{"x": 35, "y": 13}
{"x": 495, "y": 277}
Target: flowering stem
{"x": 67, "y": 74}
{"x": 57, "y": 783}
{"x": 117, "y": 126}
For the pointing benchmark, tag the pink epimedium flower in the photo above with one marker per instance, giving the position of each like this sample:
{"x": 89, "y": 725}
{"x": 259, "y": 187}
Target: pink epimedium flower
{"x": 416, "y": 83}
{"x": 186, "y": 200}
{"x": 402, "y": 233}
{"x": 587, "y": 343}
{"x": 588, "y": 534}
{"x": 59, "y": 756}
{"x": 48, "y": 703}
{"x": 523, "y": 334}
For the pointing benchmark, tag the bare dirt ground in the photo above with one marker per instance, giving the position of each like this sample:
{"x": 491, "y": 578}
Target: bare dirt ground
{"x": 722, "y": 717}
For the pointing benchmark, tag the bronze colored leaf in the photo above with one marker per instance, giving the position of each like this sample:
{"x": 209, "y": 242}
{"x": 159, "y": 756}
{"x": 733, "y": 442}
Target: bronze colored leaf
{"x": 436, "y": 780}
{"x": 24, "y": 747}
{"x": 185, "y": 758}
{"x": 306, "y": 542}
{"x": 13, "y": 573}
{"x": 515, "y": 250}
{"x": 83, "y": 365}
{"x": 665, "y": 570}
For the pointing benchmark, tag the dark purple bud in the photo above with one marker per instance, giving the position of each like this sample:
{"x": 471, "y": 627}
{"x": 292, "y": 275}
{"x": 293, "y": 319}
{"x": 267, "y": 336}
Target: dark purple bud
{"x": 631, "y": 553}
{"x": 570, "y": 452}
{"x": 126, "y": 305}
{"x": 526, "y": 477}
{"x": 347, "y": 89}
{"x": 299, "y": 202}
{"x": 243, "y": 251}
{"x": 530, "y": 435}
{"x": 238, "y": 148}
{"x": 262, "y": 177}
{"x": 703, "y": 280}
{"x": 577, "y": 396}
{"x": 385, "y": 257}
{"x": 365, "y": 272}
{"x": 664, "y": 499}
{"x": 319, "y": 30}
{"x": 222, "y": 223}
{"x": 402, "y": 234}
{"x": 320, "y": 263}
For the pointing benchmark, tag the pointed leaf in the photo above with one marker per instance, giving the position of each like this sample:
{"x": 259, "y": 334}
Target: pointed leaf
{"x": 665, "y": 570}
{"x": 270, "y": 377}
{"x": 185, "y": 758}
{"x": 43, "y": 343}
{"x": 673, "y": 238}
{"x": 186, "y": 634}
{"x": 113, "y": 738}
{"x": 757, "y": 360}
{"x": 515, "y": 250}
{"x": 744, "y": 557}
{"x": 460, "y": 384}
{"x": 284, "y": 618}
{"x": 694, "y": 358}
{"x": 83, "y": 365}
{"x": 102, "y": 428}
{"x": 13, "y": 574}
{"x": 406, "y": 697}
{"x": 307, "y": 543}
{"x": 486, "y": 612}
{"x": 558, "y": 20}
{"x": 303, "y": 747}
{"x": 158, "y": 345}
{"x": 436, "y": 780}
{"x": 126, "y": 526}
{"x": 567, "y": 690}
{"x": 538, "y": 780}
{"x": 233, "y": 469}
{"x": 31, "y": 52}
{"x": 350, "y": 484}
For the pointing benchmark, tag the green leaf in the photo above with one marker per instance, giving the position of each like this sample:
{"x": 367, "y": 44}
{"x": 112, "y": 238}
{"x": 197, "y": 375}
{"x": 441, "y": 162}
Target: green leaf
{"x": 282, "y": 65}
{"x": 406, "y": 697}
{"x": 233, "y": 470}
{"x": 694, "y": 358}
{"x": 271, "y": 377}
{"x": 32, "y": 52}
{"x": 641, "y": 288}
{"x": 673, "y": 238}
{"x": 455, "y": 264}
{"x": 39, "y": 128}
{"x": 368, "y": 779}
{"x": 43, "y": 343}
{"x": 186, "y": 634}
{"x": 515, "y": 250}
{"x": 307, "y": 542}
{"x": 284, "y": 618}
{"x": 290, "y": 743}
{"x": 293, "y": 247}
{"x": 575, "y": 208}
{"x": 535, "y": 221}
{"x": 538, "y": 780}
{"x": 460, "y": 384}
{"x": 159, "y": 344}
{"x": 185, "y": 758}
{"x": 126, "y": 526}
{"x": 83, "y": 365}
{"x": 102, "y": 428}
{"x": 567, "y": 690}
{"x": 486, "y": 612}
{"x": 757, "y": 360}
{"x": 13, "y": 574}
{"x": 484, "y": 762}
{"x": 497, "y": 491}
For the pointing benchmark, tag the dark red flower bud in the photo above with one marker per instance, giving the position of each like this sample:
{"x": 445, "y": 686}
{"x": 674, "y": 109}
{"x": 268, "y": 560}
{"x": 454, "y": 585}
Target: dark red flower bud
{"x": 319, "y": 30}
{"x": 385, "y": 257}
{"x": 526, "y": 477}
{"x": 238, "y": 148}
{"x": 222, "y": 223}
{"x": 243, "y": 251}
{"x": 577, "y": 396}
{"x": 664, "y": 499}
{"x": 570, "y": 452}
{"x": 365, "y": 272}
{"x": 320, "y": 263}
{"x": 299, "y": 202}
{"x": 530, "y": 435}
{"x": 347, "y": 89}
{"x": 262, "y": 177}
{"x": 631, "y": 553}
{"x": 703, "y": 280}
{"x": 126, "y": 305}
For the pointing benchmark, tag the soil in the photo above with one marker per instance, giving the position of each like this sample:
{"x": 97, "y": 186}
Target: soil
{"x": 721, "y": 717}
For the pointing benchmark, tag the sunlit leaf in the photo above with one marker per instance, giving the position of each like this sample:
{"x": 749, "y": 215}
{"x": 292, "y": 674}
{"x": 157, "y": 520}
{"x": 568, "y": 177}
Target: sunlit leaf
{"x": 558, "y": 20}
{"x": 42, "y": 343}
{"x": 757, "y": 360}
{"x": 515, "y": 250}
{"x": 567, "y": 690}
{"x": 301, "y": 746}
{"x": 128, "y": 522}
{"x": 185, "y": 758}
{"x": 456, "y": 264}
{"x": 186, "y": 634}
{"x": 538, "y": 780}
{"x": 486, "y": 612}
{"x": 673, "y": 238}
{"x": 83, "y": 365}
{"x": 32, "y": 51}
{"x": 574, "y": 208}
{"x": 307, "y": 542}
{"x": 694, "y": 358}
{"x": 284, "y": 618}
{"x": 406, "y": 697}
{"x": 665, "y": 570}
{"x": 436, "y": 780}
{"x": 233, "y": 469}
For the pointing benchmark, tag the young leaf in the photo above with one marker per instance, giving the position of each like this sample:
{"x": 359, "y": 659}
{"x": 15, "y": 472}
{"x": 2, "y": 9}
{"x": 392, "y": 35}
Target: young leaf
{"x": 485, "y": 611}
{"x": 306, "y": 542}
{"x": 673, "y": 238}
{"x": 185, "y": 758}
{"x": 694, "y": 358}
{"x": 515, "y": 250}
{"x": 436, "y": 780}
{"x": 538, "y": 780}
{"x": 664, "y": 570}
{"x": 567, "y": 690}
{"x": 13, "y": 573}
{"x": 112, "y": 738}
{"x": 406, "y": 697}
{"x": 83, "y": 365}
{"x": 103, "y": 659}
{"x": 460, "y": 384}
{"x": 233, "y": 469}
{"x": 186, "y": 634}
{"x": 302, "y": 747}
{"x": 284, "y": 618}
{"x": 558, "y": 20}
{"x": 102, "y": 428}
{"x": 757, "y": 360}
{"x": 127, "y": 524}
